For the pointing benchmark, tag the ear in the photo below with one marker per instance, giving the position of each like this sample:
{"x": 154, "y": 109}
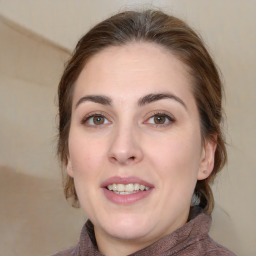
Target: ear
{"x": 70, "y": 168}
{"x": 207, "y": 158}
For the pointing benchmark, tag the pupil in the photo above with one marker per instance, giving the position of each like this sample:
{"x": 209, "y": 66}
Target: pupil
{"x": 98, "y": 120}
{"x": 159, "y": 119}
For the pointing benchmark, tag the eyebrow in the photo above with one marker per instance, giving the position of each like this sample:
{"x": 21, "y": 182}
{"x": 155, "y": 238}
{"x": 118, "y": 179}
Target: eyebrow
{"x": 159, "y": 96}
{"x": 149, "y": 98}
{"x": 104, "y": 100}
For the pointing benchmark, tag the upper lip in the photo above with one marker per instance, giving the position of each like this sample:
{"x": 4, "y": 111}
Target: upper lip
{"x": 125, "y": 180}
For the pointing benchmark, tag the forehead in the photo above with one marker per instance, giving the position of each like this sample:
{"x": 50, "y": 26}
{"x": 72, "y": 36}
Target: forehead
{"x": 132, "y": 70}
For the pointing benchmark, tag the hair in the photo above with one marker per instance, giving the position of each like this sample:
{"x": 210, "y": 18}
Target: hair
{"x": 175, "y": 36}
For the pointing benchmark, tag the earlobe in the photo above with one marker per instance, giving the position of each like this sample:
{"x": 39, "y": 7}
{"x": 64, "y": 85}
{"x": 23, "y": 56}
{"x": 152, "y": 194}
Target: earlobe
{"x": 207, "y": 159}
{"x": 70, "y": 168}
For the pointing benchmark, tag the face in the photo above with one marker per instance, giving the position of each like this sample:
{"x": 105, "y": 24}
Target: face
{"x": 135, "y": 147}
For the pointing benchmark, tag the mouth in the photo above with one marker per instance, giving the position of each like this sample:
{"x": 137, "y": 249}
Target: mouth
{"x": 126, "y": 190}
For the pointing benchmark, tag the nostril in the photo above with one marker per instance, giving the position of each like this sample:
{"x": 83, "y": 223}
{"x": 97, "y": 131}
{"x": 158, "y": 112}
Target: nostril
{"x": 131, "y": 159}
{"x": 122, "y": 160}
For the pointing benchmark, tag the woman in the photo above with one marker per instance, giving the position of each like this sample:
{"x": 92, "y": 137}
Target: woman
{"x": 140, "y": 107}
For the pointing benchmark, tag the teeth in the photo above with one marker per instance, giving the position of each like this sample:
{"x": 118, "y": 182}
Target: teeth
{"x": 120, "y": 187}
{"x": 124, "y": 193}
{"x": 127, "y": 189}
{"x": 142, "y": 187}
{"x": 136, "y": 186}
{"x": 110, "y": 187}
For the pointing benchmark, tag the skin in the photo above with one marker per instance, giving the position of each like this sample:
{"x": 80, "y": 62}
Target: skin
{"x": 171, "y": 156}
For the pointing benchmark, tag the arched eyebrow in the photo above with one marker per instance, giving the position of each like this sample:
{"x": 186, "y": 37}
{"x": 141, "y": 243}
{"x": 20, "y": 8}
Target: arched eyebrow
{"x": 160, "y": 96}
{"x": 104, "y": 100}
{"x": 149, "y": 98}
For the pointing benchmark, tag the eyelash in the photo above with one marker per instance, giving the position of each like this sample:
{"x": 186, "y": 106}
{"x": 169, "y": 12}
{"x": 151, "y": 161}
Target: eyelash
{"x": 103, "y": 115}
{"x": 170, "y": 119}
{"x": 88, "y": 117}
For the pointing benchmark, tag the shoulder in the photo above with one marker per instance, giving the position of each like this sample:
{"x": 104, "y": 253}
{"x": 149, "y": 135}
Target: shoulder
{"x": 204, "y": 246}
{"x": 212, "y": 248}
{"x": 68, "y": 252}
{"x": 201, "y": 242}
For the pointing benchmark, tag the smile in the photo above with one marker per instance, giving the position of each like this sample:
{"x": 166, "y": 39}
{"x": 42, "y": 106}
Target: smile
{"x": 126, "y": 189}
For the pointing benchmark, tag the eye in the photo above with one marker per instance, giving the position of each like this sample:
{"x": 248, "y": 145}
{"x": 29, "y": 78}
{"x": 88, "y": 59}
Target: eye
{"x": 95, "y": 120}
{"x": 160, "y": 119}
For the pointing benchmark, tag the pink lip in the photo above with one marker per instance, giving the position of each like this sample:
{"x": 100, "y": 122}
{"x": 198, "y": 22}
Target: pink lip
{"x": 126, "y": 199}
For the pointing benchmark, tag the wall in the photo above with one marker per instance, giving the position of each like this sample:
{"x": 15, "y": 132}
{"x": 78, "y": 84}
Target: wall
{"x": 30, "y": 69}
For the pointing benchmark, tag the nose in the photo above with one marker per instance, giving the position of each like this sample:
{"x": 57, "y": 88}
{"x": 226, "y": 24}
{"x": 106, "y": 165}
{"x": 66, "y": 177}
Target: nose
{"x": 125, "y": 147}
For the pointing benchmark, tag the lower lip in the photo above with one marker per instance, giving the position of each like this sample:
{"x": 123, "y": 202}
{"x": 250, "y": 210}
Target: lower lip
{"x": 126, "y": 199}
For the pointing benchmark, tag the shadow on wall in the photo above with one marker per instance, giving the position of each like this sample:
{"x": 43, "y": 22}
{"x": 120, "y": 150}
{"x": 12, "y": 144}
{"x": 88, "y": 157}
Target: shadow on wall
{"x": 35, "y": 218}
{"x": 30, "y": 69}
{"x": 223, "y": 231}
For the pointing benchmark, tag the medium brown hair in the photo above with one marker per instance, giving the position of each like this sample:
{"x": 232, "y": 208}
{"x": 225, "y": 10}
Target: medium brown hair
{"x": 177, "y": 37}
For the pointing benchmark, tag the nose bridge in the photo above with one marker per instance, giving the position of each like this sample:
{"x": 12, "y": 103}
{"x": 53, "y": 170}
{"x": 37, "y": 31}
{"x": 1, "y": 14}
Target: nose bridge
{"x": 125, "y": 147}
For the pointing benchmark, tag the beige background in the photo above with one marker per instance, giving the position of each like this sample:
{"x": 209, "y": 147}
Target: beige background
{"x": 36, "y": 38}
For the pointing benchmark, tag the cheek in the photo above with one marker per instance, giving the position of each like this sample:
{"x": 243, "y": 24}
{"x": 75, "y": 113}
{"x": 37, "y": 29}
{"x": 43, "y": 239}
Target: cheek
{"x": 86, "y": 153}
{"x": 176, "y": 157}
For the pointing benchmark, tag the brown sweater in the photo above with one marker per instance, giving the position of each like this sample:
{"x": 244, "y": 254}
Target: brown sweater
{"x": 190, "y": 240}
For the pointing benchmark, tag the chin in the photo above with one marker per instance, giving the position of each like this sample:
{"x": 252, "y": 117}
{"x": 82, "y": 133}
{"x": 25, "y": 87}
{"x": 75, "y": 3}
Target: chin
{"x": 126, "y": 228}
